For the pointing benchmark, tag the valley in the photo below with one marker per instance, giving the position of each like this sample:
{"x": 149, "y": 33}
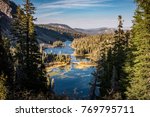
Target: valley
{"x": 69, "y": 78}
{"x": 74, "y": 50}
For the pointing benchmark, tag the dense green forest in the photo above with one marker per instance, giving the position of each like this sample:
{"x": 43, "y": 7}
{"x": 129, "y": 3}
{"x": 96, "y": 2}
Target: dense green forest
{"x": 123, "y": 58}
{"x": 22, "y": 72}
{"x": 91, "y": 46}
{"x": 124, "y": 69}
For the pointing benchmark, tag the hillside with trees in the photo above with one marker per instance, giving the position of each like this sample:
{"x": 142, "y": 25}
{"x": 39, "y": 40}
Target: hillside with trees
{"x": 110, "y": 73}
{"x": 91, "y": 46}
{"x": 138, "y": 68}
{"x": 123, "y": 71}
{"x": 22, "y": 72}
{"x": 121, "y": 58}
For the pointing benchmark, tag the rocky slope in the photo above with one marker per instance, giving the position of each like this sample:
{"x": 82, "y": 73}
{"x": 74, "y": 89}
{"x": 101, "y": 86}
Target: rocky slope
{"x": 5, "y": 7}
{"x": 45, "y": 33}
{"x": 7, "y": 10}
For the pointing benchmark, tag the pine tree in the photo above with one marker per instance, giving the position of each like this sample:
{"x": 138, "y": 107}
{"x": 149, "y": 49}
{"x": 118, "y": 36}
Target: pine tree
{"x": 104, "y": 71}
{"x": 119, "y": 48}
{"x": 110, "y": 70}
{"x": 119, "y": 57}
{"x": 139, "y": 69}
{"x": 6, "y": 67}
{"x": 30, "y": 74}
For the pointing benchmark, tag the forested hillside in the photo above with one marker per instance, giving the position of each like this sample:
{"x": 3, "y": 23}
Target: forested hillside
{"x": 123, "y": 71}
{"x": 53, "y": 32}
{"x": 115, "y": 64}
{"x": 92, "y": 46}
{"x": 22, "y": 71}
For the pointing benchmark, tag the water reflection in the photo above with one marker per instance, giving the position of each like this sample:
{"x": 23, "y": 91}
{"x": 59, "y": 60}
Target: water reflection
{"x": 71, "y": 80}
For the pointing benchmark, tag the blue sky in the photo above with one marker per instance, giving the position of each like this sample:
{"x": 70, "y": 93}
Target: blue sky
{"x": 84, "y": 13}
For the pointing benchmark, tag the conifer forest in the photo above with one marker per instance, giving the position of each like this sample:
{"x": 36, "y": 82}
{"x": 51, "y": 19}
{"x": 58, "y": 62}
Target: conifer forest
{"x": 57, "y": 62}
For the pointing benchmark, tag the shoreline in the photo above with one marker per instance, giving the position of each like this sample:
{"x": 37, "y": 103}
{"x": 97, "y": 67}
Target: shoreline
{"x": 85, "y": 56}
{"x": 53, "y": 65}
{"x": 78, "y": 65}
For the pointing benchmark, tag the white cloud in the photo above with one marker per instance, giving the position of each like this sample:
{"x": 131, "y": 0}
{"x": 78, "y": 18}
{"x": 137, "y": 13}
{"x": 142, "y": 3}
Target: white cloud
{"x": 53, "y": 8}
{"x": 75, "y": 4}
{"x": 49, "y": 14}
{"x": 56, "y": 10}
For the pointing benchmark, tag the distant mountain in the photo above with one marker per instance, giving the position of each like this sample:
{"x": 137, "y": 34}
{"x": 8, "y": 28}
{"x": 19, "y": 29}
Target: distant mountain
{"x": 57, "y": 32}
{"x": 45, "y": 33}
{"x": 62, "y": 26}
{"x": 96, "y": 30}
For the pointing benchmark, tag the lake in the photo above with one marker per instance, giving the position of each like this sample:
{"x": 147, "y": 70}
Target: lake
{"x": 71, "y": 80}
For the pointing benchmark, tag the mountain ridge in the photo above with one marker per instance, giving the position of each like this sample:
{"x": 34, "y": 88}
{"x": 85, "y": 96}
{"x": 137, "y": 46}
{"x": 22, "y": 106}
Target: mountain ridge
{"x": 46, "y": 32}
{"x": 92, "y": 31}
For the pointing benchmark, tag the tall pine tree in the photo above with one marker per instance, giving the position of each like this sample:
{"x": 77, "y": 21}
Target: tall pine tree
{"x": 29, "y": 72}
{"x": 119, "y": 57}
{"x": 139, "y": 69}
{"x": 110, "y": 71}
